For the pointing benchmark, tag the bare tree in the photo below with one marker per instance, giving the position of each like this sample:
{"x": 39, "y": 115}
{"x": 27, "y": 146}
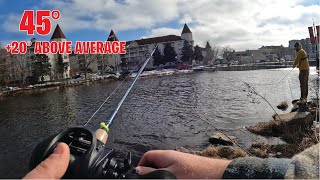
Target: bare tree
{"x": 216, "y": 52}
{"x": 4, "y": 67}
{"x": 226, "y": 52}
{"x": 85, "y": 61}
{"x": 22, "y": 66}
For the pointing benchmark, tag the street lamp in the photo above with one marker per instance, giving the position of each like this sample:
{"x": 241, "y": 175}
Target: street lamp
{"x": 228, "y": 59}
{"x": 252, "y": 59}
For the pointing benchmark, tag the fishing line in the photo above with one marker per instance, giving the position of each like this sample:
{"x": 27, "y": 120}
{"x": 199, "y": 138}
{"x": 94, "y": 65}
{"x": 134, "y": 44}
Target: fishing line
{"x": 290, "y": 90}
{"x": 316, "y": 123}
{"x": 285, "y": 76}
{"x": 107, "y": 99}
{"x": 208, "y": 122}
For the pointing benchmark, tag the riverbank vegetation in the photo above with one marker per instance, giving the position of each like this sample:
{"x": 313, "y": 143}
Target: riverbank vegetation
{"x": 297, "y": 130}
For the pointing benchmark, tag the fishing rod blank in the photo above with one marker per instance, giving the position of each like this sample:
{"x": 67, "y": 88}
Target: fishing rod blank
{"x": 114, "y": 113}
{"x": 106, "y": 100}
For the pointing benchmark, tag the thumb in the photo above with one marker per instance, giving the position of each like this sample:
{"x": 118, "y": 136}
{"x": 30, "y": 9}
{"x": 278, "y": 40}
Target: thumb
{"x": 54, "y": 166}
{"x": 144, "y": 170}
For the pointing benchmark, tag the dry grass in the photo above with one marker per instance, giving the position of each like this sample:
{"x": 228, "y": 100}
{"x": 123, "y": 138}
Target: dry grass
{"x": 263, "y": 128}
{"x": 225, "y": 152}
{"x": 297, "y": 140}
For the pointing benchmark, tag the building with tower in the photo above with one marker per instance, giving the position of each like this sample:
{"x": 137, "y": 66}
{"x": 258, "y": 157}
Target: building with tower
{"x": 97, "y": 63}
{"x": 112, "y": 61}
{"x": 136, "y": 50}
{"x": 59, "y": 36}
{"x": 310, "y": 49}
{"x": 187, "y": 35}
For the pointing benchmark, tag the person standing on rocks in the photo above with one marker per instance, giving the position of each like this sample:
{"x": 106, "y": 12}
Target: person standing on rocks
{"x": 301, "y": 61}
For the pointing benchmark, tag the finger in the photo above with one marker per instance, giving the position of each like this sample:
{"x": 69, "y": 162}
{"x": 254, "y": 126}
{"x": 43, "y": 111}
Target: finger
{"x": 151, "y": 158}
{"x": 141, "y": 170}
{"x": 54, "y": 166}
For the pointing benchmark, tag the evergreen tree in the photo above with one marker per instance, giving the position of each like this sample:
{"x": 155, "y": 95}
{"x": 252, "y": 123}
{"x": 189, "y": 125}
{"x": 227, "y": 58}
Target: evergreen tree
{"x": 41, "y": 66}
{"x": 187, "y": 53}
{"x": 169, "y": 54}
{"x": 60, "y": 66}
{"x": 198, "y": 54}
{"x": 157, "y": 57}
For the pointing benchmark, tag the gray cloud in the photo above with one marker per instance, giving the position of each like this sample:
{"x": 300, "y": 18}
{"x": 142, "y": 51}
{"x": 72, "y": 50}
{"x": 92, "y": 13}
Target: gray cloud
{"x": 242, "y": 24}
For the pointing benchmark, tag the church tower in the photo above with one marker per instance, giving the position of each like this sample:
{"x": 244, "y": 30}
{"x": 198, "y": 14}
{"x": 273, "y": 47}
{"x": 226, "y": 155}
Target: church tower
{"x": 113, "y": 60}
{"x": 59, "y": 36}
{"x": 187, "y": 35}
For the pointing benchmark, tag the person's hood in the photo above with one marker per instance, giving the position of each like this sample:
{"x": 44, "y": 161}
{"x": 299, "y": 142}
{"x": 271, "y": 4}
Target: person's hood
{"x": 299, "y": 47}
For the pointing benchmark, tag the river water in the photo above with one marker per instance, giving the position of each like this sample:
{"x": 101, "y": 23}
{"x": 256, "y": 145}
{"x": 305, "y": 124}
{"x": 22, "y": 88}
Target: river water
{"x": 160, "y": 112}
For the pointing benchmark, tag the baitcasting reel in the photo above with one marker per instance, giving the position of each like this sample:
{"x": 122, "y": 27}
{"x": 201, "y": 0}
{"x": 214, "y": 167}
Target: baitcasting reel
{"x": 89, "y": 158}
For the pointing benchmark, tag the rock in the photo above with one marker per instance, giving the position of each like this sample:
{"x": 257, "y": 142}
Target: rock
{"x": 295, "y": 108}
{"x": 304, "y": 119}
{"x": 220, "y": 138}
{"x": 274, "y": 116}
{"x": 272, "y": 155}
{"x": 281, "y": 123}
{"x": 279, "y": 155}
{"x": 283, "y": 106}
{"x": 294, "y": 102}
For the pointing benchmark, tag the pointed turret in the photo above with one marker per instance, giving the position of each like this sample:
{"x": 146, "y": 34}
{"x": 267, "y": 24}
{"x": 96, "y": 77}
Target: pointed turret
{"x": 186, "y": 29}
{"x": 187, "y": 35}
{"x": 58, "y": 34}
{"x": 208, "y": 45}
{"x": 112, "y": 36}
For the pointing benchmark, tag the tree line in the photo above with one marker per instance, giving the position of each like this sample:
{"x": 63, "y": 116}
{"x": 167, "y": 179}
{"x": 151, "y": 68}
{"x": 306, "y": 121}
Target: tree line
{"x": 25, "y": 69}
{"x": 169, "y": 55}
{"x": 188, "y": 54}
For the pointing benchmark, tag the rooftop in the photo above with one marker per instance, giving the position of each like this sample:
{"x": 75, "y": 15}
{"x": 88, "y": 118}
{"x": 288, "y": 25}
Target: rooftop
{"x": 58, "y": 34}
{"x": 160, "y": 39}
{"x": 186, "y": 29}
{"x": 112, "y": 36}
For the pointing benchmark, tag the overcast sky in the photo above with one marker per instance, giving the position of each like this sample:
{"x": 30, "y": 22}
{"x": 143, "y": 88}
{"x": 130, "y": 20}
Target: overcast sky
{"x": 242, "y": 24}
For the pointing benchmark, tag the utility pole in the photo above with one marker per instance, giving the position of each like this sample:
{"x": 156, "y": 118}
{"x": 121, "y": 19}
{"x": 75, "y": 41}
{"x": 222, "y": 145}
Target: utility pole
{"x": 315, "y": 31}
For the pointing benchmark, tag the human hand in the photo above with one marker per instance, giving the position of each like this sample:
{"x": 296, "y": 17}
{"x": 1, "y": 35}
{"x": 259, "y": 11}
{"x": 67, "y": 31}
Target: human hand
{"x": 54, "y": 166}
{"x": 182, "y": 165}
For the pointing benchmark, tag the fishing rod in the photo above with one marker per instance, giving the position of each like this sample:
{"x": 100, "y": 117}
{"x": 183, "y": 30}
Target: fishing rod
{"x": 102, "y": 133}
{"x": 285, "y": 76}
{"x": 114, "y": 113}
{"x": 89, "y": 157}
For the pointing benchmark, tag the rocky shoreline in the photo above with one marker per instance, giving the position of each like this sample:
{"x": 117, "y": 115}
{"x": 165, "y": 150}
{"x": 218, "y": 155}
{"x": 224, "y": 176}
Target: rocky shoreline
{"x": 298, "y": 129}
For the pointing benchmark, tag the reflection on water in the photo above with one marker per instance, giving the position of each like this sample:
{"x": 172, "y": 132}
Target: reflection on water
{"x": 160, "y": 112}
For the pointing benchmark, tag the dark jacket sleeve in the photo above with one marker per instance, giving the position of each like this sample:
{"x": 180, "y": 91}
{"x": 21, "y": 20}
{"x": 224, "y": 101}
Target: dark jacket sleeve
{"x": 257, "y": 168}
{"x": 304, "y": 165}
